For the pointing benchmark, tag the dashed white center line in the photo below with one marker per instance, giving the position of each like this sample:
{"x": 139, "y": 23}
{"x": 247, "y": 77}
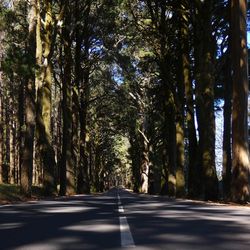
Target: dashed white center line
{"x": 126, "y": 236}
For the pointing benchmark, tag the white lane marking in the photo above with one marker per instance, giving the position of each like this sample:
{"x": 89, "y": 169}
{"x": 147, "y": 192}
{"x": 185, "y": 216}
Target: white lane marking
{"x": 120, "y": 209}
{"x": 119, "y": 200}
{"x": 126, "y": 236}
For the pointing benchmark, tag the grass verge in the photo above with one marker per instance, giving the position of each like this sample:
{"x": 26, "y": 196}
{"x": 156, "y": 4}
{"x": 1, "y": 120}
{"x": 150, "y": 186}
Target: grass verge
{"x": 11, "y": 194}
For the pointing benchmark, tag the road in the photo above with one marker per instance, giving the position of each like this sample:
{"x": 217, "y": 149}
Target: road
{"x": 119, "y": 219}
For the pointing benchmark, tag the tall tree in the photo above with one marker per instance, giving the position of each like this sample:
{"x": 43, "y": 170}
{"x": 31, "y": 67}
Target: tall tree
{"x": 1, "y": 107}
{"x": 43, "y": 95}
{"x": 227, "y": 113}
{"x": 185, "y": 73}
{"x": 204, "y": 67}
{"x": 67, "y": 168}
{"x": 1, "y": 130}
{"x": 83, "y": 80}
{"x": 27, "y": 161}
{"x": 240, "y": 148}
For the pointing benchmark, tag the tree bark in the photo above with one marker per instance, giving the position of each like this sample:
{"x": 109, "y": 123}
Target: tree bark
{"x": 29, "y": 110}
{"x": 21, "y": 101}
{"x": 145, "y": 157}
{"x": 192, "y": 166}
{"x": 1, "y": 127}
{"x": 172, "y": 154}
{"x": 67, "y": 168}
{"x": 43, "y": 88}
{"x": 240, "y": 149}
{"x": 180, "y": 156}
{"x": 12, "y": 167}
{"x": 83, "y": 185}
{"x": 227, "y": 149}
{"x": 7, "y": 140}
{"x": 204, "y": 59}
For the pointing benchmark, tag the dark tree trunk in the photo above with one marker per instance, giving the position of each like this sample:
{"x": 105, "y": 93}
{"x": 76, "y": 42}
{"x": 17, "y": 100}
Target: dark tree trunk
{"x": 29, "y": 109}
{"x": 227, "y": 158}
{"x": 83, "y": 185}
{"x": 204, "y": 59}
{"x": 67, "y": 169}
{"x": 1, "y": 130}
{"x": 7, "y": 142}
{"x": 21, "y": 126}
{"x": 134, "y": 152}
{"x": 172, "y": 154}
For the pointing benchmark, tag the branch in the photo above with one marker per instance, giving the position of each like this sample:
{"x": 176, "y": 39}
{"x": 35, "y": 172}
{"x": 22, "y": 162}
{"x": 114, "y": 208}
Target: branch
{"x": 144, "y": 136}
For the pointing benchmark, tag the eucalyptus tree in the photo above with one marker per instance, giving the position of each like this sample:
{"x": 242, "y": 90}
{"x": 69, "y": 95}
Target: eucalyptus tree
{"x": 44, "y": 52}
{"x": 240, "y": 148}
{"x": 67, "y": 173}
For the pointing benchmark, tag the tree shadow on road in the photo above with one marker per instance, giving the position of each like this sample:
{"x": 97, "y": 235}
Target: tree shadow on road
{"x": 74, "y": 223}
{"x": 163, "y": 223}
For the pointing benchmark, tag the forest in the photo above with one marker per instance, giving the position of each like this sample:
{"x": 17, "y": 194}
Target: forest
{"x": 99, "y": 93}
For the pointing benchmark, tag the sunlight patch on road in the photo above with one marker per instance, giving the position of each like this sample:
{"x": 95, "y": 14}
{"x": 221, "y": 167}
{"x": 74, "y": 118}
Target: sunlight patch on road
{"x": 5, "y": 226}
{"x": 8, "y": 211}
{"x": 54, "y": 244}
{"x": 69, "y": 209}
{"x": 100, "y": 226}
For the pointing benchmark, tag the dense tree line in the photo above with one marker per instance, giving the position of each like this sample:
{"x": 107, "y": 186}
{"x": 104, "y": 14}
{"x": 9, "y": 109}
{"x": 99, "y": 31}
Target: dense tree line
{"x": 100, "y": 93}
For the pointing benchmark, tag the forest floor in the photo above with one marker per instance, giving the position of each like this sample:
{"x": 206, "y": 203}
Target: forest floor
{"x": 11, "y": 194}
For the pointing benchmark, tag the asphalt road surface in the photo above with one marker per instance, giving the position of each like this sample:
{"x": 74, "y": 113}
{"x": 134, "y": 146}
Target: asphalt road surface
{"x": 119, "y": 219}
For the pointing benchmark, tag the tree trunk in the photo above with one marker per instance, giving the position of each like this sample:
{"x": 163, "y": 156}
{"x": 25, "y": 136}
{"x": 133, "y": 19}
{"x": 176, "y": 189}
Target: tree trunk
{"x": 180, "y": 176}
{"x": 180, "y": 104}
{"x": 227, "y": 150}
{"x": 67, "y": 168}
{"x": 84, "y": 90}
{"x": 21, "y": 101}
{"x": 43, "y": 86}
{"x": 171, "y": 146}
{"x": 12, "y": 150}
{"x": 144, "y": 158}
{"x": 204, "y": 59}
{"x": 134, "y": 152}
{"x": 193, "y": 170}
{"x": 1, "y": 130}
{"x": 240, "y": 148}
{"x": 29, "y": 109}
{"x": 1, "y": 127}
{"x": 7, "y": 141}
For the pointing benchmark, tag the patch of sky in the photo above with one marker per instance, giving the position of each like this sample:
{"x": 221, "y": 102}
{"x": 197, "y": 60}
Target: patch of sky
{"x": 117, "y": 74}
{"x": 97, "y": 47}
{"x": 219, "y": 129}
{"x": 219, "y": 124}
{"x": 248, "y": 39}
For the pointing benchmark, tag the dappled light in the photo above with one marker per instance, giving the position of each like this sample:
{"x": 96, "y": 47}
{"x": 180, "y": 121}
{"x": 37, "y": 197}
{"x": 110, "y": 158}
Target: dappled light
{"x": 124, "y": 124}
{"x": 155, "y": 222}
